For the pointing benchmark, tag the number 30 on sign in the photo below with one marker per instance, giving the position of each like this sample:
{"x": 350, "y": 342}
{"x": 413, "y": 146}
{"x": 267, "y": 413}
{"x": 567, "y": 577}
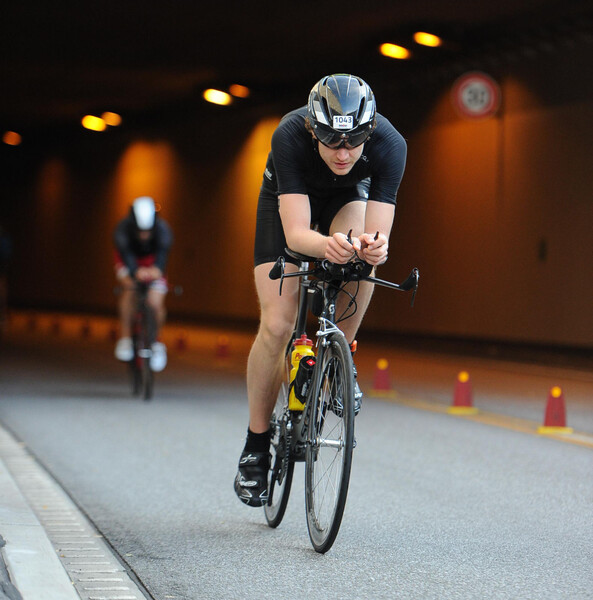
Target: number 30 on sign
{"x": 476, "y": 95}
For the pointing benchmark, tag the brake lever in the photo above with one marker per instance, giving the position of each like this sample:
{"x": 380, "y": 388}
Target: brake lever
{"x": 277, "y": 271}
{"x": 416, "y": 275}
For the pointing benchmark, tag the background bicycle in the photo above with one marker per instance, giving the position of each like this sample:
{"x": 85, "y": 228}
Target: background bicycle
{"x": 313, "y": 420}
{"x": 144, "y": 347}
{"x": 143, "y": 338}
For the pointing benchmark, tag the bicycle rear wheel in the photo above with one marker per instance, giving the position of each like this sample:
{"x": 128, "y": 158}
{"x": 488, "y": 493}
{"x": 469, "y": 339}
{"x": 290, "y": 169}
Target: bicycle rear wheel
{"x": 329, "y": 453}
{"x": 149, "y": 331}
{"x": 146, "y": 379}
{"x": 136, "y": 373}
{"x": 282, "y": 465}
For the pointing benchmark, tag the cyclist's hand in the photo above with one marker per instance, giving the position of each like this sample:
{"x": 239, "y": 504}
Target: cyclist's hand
{"x": 148, "y": 273}
{"x": 373, "y": 251}
{"x": 339, "y": 250}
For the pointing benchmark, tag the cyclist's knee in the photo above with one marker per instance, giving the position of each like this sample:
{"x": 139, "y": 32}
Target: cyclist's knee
{"x": 276, "y": 329}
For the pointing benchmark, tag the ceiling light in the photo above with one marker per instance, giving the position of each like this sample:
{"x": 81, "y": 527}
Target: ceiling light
{"x": 394, "y": 51}
{"x": 93, "y": 123}
{"x": 427, "y": 39}
{"x": 111, "y": 118}
{"x": 239, "y": 91}
{"x": 12, "y": 138}
{"x": 217, "y": 97}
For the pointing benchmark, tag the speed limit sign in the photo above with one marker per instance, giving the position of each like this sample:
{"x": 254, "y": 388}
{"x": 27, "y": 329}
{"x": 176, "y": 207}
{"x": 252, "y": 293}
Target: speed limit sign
{"x": 476, "y": 95}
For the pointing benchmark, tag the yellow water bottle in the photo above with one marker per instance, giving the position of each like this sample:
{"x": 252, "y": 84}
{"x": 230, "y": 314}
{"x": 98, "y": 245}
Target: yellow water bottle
{"x": 302, "y": 347}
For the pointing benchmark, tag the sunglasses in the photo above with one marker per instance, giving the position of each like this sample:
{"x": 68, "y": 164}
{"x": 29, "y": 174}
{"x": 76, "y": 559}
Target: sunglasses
{"x": 335, "y": 140}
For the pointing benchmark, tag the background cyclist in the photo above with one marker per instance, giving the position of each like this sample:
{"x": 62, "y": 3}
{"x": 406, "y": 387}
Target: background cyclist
{"x": 336, "y": 165}
{"x": 142, "y": 243}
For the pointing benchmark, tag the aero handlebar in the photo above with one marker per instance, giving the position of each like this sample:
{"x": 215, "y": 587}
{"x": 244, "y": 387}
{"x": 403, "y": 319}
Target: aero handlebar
{"x": 354, "y": 270}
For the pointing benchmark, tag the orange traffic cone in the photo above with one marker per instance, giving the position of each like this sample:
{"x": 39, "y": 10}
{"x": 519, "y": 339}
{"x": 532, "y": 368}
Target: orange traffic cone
{"x": 222, "y": 346}
{"x": 462, "y": 396}
{"x": 381, "y": 382}
{"x": 555, "y": 417}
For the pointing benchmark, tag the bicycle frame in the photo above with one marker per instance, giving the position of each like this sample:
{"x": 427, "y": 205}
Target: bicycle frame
{"x": 360, "y": 272}
{"x": 298, "y": 425}
{"x": 143, "y": 332}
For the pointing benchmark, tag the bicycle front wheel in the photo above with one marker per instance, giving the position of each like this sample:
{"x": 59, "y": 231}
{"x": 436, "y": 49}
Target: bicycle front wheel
{"x": 282, "y": 465}
{"x": 148, "y": 337}
{"x": 331, "y": 441}
{"x": 146, "y": 379}
{"x": 136, "y": 375}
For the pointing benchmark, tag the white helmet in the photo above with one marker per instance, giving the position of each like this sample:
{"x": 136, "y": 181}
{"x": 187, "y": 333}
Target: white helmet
{"x": 143, "y": 213}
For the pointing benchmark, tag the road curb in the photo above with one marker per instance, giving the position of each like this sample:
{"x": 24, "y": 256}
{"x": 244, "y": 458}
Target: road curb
{"x": 53, "y": 551}
{"x": 32, "y": 565}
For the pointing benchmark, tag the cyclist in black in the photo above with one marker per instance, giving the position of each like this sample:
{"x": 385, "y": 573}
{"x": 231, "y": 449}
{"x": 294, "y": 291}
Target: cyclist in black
{"x": 142, "y": 243}
{"x": 335, "y": 166}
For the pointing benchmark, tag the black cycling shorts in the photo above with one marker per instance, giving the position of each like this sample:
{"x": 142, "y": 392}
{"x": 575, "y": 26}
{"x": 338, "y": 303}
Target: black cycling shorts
{"x": 269, "y": 234}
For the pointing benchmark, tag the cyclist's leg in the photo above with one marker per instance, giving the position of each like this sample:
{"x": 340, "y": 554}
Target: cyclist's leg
{"x": 156, "y": 300}
{"x": 126, "y": 306}
{"x": 277, "y": 315}
{"x": 264, "y": 366}
{"x": 351, "y": 216}
{"x": 126, "y": 311}
{"x": 264, "y": 373}
{"x": 265, "y": 363}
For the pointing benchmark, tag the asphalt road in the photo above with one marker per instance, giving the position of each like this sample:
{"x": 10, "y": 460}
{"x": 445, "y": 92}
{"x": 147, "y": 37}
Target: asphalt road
{"x": 439, "y": 507}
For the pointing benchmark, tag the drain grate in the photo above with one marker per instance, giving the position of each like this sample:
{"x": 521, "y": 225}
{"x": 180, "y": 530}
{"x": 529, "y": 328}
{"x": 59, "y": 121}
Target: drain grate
{"x": 95, "y": 571}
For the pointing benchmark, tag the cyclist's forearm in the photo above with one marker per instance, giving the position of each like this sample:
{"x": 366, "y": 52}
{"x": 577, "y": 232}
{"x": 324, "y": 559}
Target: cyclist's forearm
{"x": 379, "y": 217}
{"x": 295, "y": 213}
{"x": 307, "y": 241}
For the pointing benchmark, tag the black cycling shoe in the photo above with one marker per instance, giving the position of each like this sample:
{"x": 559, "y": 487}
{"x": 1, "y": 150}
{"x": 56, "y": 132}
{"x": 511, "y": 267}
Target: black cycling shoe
{"x": 336, "y": 405}
{"x": 251, "y": 482}
{"x": 357, "y": 398}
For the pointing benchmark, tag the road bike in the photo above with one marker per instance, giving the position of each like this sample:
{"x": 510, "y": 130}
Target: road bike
{"x": 321, "y": 434}
{"x": 144, "y": 330}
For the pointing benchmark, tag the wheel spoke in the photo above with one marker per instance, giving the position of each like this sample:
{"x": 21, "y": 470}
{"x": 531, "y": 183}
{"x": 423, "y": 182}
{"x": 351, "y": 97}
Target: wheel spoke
{"x": 330, "y": 451}
{"x": 280, "y": 476}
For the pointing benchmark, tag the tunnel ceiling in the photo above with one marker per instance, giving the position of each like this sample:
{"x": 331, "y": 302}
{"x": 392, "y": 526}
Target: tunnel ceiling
{"x": 63, "y": 60}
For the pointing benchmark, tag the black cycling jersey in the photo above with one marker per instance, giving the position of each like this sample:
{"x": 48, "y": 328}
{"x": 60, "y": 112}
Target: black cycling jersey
{"x": 130, "y": 248}
{"x": 295, "y": 167}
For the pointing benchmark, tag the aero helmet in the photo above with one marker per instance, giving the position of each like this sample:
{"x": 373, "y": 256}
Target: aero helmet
{"x": 341, "y": 110}
{"x": 143, "y": 213}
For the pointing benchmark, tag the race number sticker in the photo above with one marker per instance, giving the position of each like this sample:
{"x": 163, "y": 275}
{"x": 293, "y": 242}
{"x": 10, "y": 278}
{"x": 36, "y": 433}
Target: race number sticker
{"x": 343, "y": 121}
{"x": 476, "y": 95}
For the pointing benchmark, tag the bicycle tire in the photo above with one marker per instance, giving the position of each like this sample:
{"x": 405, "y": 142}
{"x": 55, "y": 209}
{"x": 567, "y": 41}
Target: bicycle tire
{"x": 328, "y": 458}
{"x": 136, "y": 377}
{"x": 136, "y": 366}
{"x": 282, "y": 464}
{"x": 149, "y": 331}
{"x": 147, "y": 380}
